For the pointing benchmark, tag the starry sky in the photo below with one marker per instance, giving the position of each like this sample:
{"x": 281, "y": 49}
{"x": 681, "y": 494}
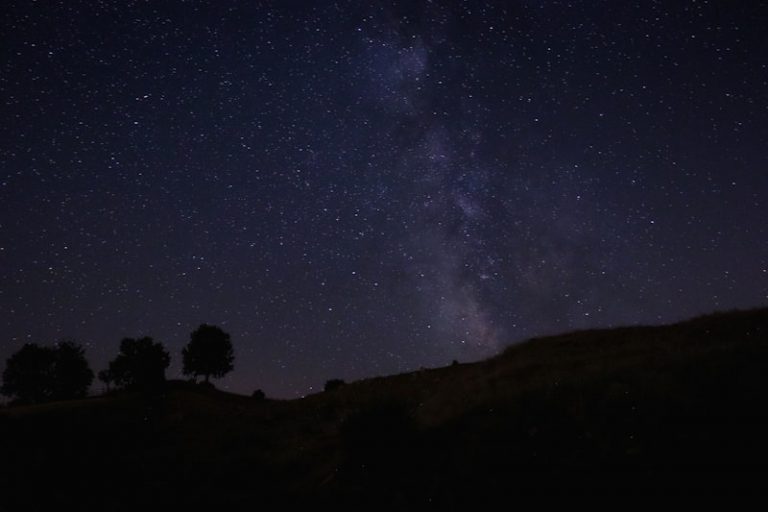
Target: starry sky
{"x": 354, "y": 188}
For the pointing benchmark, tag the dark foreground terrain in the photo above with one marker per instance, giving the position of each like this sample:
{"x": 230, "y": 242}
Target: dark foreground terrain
{"x": 672, "y": 409}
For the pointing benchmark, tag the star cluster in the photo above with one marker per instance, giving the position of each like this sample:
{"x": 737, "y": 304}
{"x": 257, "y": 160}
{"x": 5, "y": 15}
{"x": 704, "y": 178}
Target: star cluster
{"x": 354, "y": 189}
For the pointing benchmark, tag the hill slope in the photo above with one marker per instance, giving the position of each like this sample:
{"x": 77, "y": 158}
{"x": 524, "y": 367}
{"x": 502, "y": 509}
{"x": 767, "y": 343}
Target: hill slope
{"x": 679, "y": 407}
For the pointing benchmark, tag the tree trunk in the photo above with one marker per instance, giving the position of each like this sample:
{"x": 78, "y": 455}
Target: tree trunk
{"x": 206, "y": 378}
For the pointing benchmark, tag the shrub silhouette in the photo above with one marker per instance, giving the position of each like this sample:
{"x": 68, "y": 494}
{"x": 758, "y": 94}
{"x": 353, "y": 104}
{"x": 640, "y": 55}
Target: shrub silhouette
{"x": 208, "y": 353}
{"x": 334, "y": 384}
{"x": 105, "y": 376}
{"x": 205, "y": 385}
{"x": 140, "y": 364}
{"x": 258, "y": 395}
{"x": 37, "y": 374}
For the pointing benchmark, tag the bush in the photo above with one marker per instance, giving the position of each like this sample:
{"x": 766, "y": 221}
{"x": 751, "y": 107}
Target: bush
{"x": 258, "y": 395}
{"x": 334, "y": 384}
{"x": 205, "y": 385}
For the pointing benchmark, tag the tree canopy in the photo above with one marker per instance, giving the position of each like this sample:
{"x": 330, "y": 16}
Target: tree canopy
{"x": 208, "y": 353}
{"x": 37, "y": 374}
{"x": 141, "y": 364}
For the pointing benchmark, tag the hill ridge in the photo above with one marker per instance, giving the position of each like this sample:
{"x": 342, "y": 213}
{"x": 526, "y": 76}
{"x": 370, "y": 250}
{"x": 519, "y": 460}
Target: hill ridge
{"x": 688, "y": 398}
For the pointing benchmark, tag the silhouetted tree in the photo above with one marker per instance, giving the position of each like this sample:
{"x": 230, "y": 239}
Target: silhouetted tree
{"x": 258, "y": 395}
{"x": 208, "y": 353}
{"x": 334, "y": 384}
{"x": 37, "y": 374}
{"x": 28, "y": 374}
{"x": 140, "y": 364}
{"x": 73, "y": 374}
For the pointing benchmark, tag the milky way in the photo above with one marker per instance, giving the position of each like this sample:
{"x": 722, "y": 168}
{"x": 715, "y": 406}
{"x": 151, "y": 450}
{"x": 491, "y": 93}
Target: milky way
{"x": 356, "y": 189}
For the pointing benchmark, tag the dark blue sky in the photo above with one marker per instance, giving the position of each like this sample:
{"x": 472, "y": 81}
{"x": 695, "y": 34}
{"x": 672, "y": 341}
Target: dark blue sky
{"x": 355, "y": 189}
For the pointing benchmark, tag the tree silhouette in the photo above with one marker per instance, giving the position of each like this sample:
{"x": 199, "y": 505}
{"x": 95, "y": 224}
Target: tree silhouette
{"x": 140, "y": 364}
{"x": 208, "y": 353}
{"x": 28, "y": 374}
{"x": 37, "y": 374}
{"x": 73, "y": 375}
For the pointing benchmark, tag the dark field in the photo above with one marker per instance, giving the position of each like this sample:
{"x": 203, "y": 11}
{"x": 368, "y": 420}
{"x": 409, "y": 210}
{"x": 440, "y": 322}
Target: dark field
{"x": 671, "y": 409}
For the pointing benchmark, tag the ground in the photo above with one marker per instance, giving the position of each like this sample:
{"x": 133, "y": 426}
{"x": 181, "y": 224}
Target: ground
{"x": 670, "y": 408}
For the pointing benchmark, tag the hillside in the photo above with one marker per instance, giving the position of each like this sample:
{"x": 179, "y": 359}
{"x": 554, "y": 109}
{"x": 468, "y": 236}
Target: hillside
{"x": 682, "y": 408}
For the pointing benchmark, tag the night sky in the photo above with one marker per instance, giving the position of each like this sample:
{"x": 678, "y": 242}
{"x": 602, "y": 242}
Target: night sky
{"x": 353, "y": 189}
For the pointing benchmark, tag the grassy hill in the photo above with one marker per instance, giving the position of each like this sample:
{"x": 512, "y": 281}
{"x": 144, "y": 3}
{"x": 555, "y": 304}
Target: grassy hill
{"x": 682, "y": 408}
